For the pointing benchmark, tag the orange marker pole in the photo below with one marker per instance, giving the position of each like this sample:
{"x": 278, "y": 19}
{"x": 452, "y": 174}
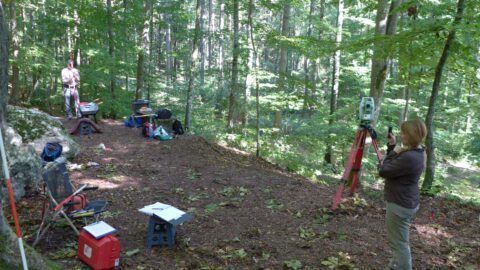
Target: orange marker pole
{"x": 12, "y": 202}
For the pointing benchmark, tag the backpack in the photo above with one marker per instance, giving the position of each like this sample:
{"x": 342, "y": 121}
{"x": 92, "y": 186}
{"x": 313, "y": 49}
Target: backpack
{"x": 148, "y": 129}
{"x": 164, "y": 114}
{"x": 51, "y": 151}
{"x": 177, "y": 127}
{"x": 133, "y": 122}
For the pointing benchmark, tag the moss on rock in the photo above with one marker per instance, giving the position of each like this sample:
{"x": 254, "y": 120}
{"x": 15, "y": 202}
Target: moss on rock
{"x": 31, "y": 124}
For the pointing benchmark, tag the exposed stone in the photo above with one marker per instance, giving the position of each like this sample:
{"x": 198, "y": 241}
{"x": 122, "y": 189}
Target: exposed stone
{"x": 37, "y": 128}
{"x": 27, "y": 133}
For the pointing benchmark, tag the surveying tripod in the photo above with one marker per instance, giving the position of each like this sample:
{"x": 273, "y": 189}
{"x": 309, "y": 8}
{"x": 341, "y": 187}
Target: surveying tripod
{"x": 354, "y": 163}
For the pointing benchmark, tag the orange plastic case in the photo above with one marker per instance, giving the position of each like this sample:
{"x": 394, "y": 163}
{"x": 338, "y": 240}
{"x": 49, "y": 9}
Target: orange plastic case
{"x": 100, "y": 254}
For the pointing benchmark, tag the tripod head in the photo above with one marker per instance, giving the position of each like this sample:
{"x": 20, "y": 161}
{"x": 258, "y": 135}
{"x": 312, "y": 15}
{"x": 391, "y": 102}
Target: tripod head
{"x": 370, "y": 129}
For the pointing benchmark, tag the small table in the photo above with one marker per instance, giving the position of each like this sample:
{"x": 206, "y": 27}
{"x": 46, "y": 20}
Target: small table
{"x": 162, "y": 224}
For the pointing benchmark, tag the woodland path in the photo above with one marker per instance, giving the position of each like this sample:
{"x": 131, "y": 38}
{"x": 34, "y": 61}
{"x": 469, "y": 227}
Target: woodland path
{"x": 248, "y": 213}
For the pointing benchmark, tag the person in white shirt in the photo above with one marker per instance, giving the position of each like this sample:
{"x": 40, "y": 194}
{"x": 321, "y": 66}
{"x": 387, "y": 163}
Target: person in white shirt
{"x": 70, "y": 81}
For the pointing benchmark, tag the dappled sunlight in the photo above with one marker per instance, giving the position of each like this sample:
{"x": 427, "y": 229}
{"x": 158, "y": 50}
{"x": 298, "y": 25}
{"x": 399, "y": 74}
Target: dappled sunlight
{"x": 432, "y": 233}
{"x": 120, "y": 148}
{"x": 101, "y": 184}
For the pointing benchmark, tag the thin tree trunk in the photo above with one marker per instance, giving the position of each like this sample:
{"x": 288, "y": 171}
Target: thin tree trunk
{"x": 219, "y": 107}
{"x": 233, "y": 100}
{"x": 15, "y": 50}
{"x": 430, "y": 170}
{"x": 211, "y": 31}
{"x": 168, "y": 44}
{"x": 307, "y": 82}
{"x": 3, "y": 69}
{"x": 329, "y": 157}
{"x": 125, "y": 57}
{"x": 111, "y": 48}
{"x": 140, "y": 91}
{"x": 282, "y": 62}
{"x": 192, "y": 70}
{"x": 251, "y": 6}
{"x": 202, "y": 42}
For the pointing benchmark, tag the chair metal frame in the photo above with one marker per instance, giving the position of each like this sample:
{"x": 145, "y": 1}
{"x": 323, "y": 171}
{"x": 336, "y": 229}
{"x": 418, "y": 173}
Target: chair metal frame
{"x": 57, "y": 209}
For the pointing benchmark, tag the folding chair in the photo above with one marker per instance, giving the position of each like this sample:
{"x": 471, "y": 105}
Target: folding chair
{"x": 60, "y": 192}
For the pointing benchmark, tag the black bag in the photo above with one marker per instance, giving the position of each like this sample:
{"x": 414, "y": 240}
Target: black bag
{"x": 164, "y": 114}
{"x": 177, "y": 127}
{"x": 51, "y": 151}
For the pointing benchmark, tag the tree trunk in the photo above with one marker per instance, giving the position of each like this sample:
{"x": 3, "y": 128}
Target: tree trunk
{"x": 9, "y": 243}
{"x": 140, "y": 63}
{"x": 329, "y": 157}
{"x": 111, "y": 48}
{"x": 168, "y": 45}
{"x": 202, "y": 42}
{"x": 233, "y": 99}
{"x": 282, "y": 62}
{"x": 306, "y": 72}
{"x": 145, "y": 42}
{"x": 211, "y": 31}
{"x": 251, "y": 6}
{"x": 385, "y": 24}
{"x": 15, "y": 50}
{"x": 430, "y": 170}
{"x": 3, "y": 69}
{"x": 219, "y": 104}
{"x": 192, "y": 70}
{"x": 125, "y": 55}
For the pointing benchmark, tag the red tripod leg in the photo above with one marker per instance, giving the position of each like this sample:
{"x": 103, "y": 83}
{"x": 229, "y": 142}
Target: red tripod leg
{"x": 377, "y": 151}
{"x": 348, "y": 169}
{"x": 357, "y": 166}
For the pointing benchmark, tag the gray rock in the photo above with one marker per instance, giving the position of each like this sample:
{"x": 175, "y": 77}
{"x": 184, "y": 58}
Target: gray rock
{"x": 24, "y": 164}
{"x": 37, "y": 128}
{"x": 27, "y": 133}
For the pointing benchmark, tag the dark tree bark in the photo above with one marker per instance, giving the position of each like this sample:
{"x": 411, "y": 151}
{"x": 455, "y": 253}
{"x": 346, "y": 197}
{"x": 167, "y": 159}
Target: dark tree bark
{"x": 202, "y": 42}
{"x": 145, "y": 42}
{"x": 15, "y": 50}
{"x": 3, "y": 67}
{"x": 192, "y": 69}
{"x": 307, "y": 82}
{"x": 168, "y": 44}
{"x": 9, "y": 245}
{"x": 219, "y": 107}
{"x": 430, "y": 170}
{"x": 282, "y": 61}
{"x": 233, "y": 100}
{"x": 111, "y": 48}
{"x": 211, "y": 31}
{"x": 380, "y": 62}
{"x": 251, "y": 6}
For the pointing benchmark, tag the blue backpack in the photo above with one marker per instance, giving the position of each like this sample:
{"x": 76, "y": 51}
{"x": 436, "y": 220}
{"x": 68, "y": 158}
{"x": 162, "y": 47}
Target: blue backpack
{"x": 133, "y": 122}
{"x": 51, "y": 151}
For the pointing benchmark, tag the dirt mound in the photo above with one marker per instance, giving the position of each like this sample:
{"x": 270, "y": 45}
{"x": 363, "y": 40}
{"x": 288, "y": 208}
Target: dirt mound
{"x": 248, "y": 213}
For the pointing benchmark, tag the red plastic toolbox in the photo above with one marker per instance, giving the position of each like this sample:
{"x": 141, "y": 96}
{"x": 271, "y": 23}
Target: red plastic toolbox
{"x": 100, "y": 254}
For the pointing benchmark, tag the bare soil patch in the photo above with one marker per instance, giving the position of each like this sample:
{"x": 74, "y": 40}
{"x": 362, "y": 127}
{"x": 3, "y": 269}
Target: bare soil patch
{"x": 248, "y": 213}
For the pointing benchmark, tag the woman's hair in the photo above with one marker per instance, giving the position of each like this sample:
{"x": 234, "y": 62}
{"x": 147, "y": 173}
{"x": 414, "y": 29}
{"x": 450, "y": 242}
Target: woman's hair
{"x": 415, "y": 130}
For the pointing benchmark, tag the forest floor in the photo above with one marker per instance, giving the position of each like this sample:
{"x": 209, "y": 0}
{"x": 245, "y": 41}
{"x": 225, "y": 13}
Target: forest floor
{"x": 248, "y": 213}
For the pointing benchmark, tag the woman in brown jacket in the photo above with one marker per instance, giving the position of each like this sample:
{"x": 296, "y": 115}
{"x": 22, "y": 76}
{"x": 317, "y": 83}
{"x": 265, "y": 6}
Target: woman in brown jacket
{"x": 402, "y": 169}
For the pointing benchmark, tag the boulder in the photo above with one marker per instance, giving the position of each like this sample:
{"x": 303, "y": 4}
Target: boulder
{"x": 24, "y": 164}
{"x": 36, "y": 128}
{"x": 28, "y": 130}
